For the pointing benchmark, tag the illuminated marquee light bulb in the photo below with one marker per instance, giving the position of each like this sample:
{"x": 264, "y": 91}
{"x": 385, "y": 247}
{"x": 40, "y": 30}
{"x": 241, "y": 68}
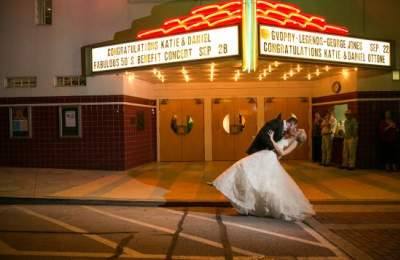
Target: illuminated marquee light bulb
{"x": 345, "y": 73}
{"x": 264, "y": 73}
{"x": 309, "y": 76}
{"x": 298, "y": 68}
{"x": 317, "y": 73}
{"x": 276, "y": 64}
{"x": 162, "y": 79}
{"x": 184, "y": 71}
{"x": 187, "y": 79}
{"x": 327, "y": 68}
{"x": 284, "y": 76}
{"x": 291, "y": 73}
{"x": 238, "y": 74}
{"x": 260, "y": 77}
{"x": 212, "y": 66}
{"x": 131, "y": 77}
{"x": 154, "y": 71}
{"x": 269, "y": 68}
{"x": 355, "y": 69}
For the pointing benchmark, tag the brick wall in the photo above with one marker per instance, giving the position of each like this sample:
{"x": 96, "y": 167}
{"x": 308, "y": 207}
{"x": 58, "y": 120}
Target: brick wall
{"x": 140, "y": 144}
{"x": 108, "y": 142}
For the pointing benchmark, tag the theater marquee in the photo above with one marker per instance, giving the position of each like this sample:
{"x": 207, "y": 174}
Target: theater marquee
{"x": 215, "y": 43}
{"x": 288, "y": 43}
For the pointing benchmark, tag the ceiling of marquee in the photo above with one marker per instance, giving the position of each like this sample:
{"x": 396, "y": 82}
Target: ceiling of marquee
{"x": 230, "y": 71}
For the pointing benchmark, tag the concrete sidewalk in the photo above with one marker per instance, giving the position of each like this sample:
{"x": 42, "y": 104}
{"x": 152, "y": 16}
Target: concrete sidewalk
{"x": 163, "y": 183}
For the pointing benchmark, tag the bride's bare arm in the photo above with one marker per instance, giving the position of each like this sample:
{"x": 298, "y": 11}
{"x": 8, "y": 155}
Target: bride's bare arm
{"x": 278, "y": 150}
{"x": 290, "y": 148}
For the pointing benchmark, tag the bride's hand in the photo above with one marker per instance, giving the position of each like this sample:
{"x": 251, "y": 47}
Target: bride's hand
{"x": 271, "y": 134}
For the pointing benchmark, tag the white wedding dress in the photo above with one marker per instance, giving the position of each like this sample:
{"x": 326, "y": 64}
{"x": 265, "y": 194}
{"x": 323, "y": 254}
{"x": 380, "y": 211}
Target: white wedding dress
{"x": 259, "y": 185}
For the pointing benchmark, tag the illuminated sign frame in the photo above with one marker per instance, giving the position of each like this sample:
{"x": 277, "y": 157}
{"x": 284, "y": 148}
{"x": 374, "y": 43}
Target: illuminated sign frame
{"x": 249, "y": 42}
{"x": 87, "y": 51}
{"x": 326, "y": 61}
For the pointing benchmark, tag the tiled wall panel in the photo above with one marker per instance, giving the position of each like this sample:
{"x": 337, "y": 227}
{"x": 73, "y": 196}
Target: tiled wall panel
{"x": 108, "y": 140}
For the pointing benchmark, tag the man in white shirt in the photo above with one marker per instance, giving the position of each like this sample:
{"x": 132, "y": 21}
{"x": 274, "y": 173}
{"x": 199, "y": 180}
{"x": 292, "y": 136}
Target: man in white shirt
{"x": 328, "y": 128}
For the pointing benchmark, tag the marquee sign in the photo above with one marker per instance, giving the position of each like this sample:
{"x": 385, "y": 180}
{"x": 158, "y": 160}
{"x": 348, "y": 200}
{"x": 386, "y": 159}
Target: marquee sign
{"x": 212, "y": 32}
{"x": 288, "y": 43}
{"x": 200, "y": 45}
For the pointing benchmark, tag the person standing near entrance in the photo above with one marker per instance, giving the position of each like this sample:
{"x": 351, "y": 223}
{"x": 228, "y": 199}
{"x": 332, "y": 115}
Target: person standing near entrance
{"x": 328, "y": 127}
{"x": 388, "y": 132}
{"x": 316, "y": 141}
{"x": 350, "y": 141}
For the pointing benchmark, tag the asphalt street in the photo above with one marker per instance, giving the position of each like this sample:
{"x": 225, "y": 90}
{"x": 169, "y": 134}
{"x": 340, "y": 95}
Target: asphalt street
{"x": 111, "y": 232}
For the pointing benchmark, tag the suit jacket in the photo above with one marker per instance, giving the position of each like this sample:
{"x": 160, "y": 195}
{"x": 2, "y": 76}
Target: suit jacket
{"x": 262, "y": 141}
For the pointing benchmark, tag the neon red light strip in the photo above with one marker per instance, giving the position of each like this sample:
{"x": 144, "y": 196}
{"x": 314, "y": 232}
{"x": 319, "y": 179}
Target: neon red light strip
{"x": 268, "y": 12}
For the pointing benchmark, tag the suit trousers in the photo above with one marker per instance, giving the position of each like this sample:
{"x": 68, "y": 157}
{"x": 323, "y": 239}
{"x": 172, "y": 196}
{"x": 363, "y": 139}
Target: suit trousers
{"x": 326, "y": 148}
{"x": 349, "y": 152}
{"x": 316, "y": 148}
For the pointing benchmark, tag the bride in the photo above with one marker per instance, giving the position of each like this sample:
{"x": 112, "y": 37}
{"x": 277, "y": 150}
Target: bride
{"x": 259, "y": 185}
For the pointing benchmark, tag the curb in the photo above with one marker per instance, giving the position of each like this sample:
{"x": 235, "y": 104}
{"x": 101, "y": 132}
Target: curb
{"x": 102, "y": 202}
{"x": 170, "y": 203}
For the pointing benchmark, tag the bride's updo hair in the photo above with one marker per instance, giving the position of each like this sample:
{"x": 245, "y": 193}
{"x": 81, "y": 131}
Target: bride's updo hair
{"x": 301, "y": 136}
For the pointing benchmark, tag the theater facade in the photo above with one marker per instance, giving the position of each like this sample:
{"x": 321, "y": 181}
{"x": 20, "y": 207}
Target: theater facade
{"x": 132, "y": 82}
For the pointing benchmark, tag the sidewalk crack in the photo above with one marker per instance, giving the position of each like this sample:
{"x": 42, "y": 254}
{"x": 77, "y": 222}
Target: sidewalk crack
{"x": 224, "y": 236}
{"x": 175, "y": 237}
{"x": 119, "y": 250}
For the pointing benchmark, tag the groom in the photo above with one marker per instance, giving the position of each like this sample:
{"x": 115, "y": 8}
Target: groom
{"x": 279, "y": 127}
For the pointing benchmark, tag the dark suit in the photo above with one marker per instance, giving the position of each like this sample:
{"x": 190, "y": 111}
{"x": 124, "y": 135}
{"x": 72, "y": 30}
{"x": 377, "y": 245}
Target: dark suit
{"x": 262, "y": 141}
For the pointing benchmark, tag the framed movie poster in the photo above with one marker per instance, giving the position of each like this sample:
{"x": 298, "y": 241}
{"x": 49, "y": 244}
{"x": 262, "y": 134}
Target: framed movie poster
{"x": 20, "y": 122}
{"x": 70, "y": 121}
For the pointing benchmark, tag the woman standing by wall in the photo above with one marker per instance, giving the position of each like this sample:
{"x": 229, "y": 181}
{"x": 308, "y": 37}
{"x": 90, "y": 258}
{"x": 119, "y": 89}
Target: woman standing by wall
{"x": 316, "y": 141}
{"x": 388, "y": 132}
